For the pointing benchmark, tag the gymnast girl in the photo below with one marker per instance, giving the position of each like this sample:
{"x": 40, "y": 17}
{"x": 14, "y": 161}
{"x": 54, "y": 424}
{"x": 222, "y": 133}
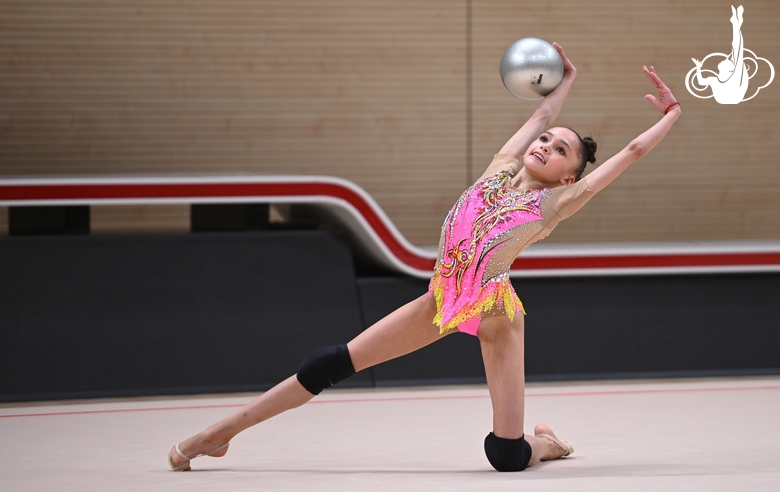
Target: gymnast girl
{"x": 531, "y": 185}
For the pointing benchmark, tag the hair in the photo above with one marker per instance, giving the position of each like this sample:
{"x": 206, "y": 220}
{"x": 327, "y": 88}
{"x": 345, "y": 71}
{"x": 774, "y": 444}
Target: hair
{"x": 587, "y": 154}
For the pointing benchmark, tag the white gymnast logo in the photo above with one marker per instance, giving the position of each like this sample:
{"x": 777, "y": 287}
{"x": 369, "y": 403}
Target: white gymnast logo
{"x": 730, "y": 84}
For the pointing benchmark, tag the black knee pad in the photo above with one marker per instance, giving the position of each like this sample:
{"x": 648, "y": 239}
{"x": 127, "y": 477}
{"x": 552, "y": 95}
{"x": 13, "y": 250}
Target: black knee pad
{"x": 325, "y": 367}
{"x": 507, "y": 454}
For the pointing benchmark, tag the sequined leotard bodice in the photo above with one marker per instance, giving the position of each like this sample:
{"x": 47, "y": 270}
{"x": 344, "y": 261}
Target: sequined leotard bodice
{"x": 484, "y": 232}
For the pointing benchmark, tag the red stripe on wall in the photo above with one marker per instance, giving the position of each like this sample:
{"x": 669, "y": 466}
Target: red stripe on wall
{"x": 130, "y": 191}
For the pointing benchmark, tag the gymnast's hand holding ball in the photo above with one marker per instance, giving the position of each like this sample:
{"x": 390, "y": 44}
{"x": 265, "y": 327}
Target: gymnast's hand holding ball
{"x": 531, "y": 68}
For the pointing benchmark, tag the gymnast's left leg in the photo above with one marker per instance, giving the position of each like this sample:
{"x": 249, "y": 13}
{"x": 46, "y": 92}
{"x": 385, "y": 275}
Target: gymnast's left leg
{"x": 403, "y": 331}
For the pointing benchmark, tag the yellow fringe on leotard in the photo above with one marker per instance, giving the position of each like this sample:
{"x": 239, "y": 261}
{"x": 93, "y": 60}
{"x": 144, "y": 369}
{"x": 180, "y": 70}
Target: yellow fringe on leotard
{"x": 494, "y": 293}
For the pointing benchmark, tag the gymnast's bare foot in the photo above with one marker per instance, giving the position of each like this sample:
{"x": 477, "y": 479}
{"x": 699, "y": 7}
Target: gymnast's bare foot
{"x": 197, "y": 445}
{"x": 561, "y": 448}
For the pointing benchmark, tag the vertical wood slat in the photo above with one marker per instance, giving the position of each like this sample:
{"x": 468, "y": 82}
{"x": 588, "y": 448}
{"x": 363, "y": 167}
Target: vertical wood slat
{"x": 376, "y": 92}
{"x": 3, "y": 221}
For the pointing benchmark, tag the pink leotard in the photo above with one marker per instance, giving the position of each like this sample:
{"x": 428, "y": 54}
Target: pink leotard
{"x": 483, "y": 233}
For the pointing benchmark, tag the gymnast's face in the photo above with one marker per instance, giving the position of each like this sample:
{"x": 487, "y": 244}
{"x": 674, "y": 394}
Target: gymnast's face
{"x": 553, "y": 157}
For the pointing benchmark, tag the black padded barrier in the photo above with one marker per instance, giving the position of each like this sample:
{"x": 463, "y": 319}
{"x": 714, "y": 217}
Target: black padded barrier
{"x": 26, "y": 221}
{"x": 98, "y": 316}
{"x": 137, "y": 315}
{"x": 610, "y": 327}
{"x": 666, "y": 325}
{"x": 229, "y": 217}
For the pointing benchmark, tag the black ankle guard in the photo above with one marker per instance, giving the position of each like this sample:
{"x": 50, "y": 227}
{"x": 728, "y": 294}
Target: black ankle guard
{"x": 325, "y": 367}
{"x": 507, "y": 454}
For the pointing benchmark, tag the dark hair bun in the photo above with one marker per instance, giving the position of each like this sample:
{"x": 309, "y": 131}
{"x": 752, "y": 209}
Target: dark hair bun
{"x": 590, "y": 149}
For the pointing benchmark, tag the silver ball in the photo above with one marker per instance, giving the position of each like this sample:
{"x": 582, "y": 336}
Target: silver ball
{"x": 531, "y": 68}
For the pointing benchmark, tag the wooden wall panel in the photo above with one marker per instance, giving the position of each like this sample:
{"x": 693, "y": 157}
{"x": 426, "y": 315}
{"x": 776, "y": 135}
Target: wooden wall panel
{"x": 3, "y": 221}
{"x": 715, "y": 177}
{"x": 370, "y": 91}
{"x": 132, "y": 219}
{"x": 376, "y": 92}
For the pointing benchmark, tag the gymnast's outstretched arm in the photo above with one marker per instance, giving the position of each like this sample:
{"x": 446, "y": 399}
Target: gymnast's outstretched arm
{"x": 644, "y": 143}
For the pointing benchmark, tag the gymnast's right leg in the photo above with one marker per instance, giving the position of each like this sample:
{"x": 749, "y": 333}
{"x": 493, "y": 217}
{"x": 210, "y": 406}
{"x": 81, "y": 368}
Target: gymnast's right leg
{"x": 508, "y": 448}
{"x": 403, "y": 331}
